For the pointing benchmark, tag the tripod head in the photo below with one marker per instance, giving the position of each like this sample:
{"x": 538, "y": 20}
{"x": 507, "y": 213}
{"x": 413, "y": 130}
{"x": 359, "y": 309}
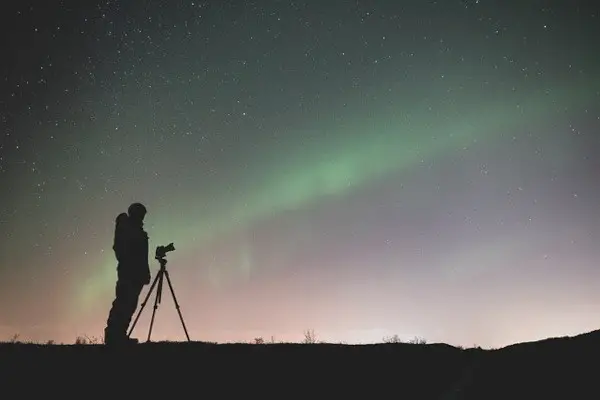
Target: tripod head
{"x": 161, "y": 253}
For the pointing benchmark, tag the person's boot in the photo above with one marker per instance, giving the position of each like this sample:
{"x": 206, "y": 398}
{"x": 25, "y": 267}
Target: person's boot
{"x": 109, "y": 337}
{"x": 113, "y": 338}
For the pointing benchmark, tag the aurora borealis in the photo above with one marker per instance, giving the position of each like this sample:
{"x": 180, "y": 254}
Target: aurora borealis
{"x": 362, "y": 169}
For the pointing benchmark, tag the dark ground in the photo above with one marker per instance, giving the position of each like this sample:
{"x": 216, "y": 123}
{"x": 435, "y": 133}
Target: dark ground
{"x": 563, "y": 368}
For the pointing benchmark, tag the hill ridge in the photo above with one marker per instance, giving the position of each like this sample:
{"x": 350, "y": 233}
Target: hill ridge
{"x": 557, "y": 366}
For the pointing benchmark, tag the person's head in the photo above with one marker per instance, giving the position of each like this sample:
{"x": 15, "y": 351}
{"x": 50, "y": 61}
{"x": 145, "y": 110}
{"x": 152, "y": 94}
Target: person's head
{"x": 136, "y": 213}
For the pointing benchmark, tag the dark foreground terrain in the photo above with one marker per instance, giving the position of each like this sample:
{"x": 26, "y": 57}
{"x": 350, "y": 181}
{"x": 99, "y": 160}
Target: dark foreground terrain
{"x": 564, "y": 368}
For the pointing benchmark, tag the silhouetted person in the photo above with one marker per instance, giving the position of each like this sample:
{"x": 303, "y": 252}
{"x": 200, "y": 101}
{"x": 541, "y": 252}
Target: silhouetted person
{"x": 133, "y": 272}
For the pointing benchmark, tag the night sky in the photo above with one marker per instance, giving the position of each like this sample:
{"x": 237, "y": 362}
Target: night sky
{"x": 358, "y": 168}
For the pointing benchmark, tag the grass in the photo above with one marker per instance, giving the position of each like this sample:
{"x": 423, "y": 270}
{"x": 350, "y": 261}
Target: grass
{"x": 310, "y": 337}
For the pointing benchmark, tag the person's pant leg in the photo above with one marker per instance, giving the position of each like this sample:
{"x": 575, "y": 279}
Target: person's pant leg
{"x": 115, "y": 324}
{"x": 132, "y": 299}
{"x": 126, "y": 300}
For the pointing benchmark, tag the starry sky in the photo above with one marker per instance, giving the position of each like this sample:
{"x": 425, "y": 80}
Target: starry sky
{"x": 358, "y": 168}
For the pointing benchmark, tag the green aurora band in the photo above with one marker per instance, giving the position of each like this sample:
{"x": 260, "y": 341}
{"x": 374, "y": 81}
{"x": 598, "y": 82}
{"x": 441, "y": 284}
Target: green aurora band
{"x": 371, "y": 148}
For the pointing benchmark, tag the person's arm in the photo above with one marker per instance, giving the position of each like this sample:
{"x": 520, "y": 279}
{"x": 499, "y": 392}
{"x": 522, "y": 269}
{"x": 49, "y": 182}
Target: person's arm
{"x": 147, "y": 260}
{"x": 136, "y": 254}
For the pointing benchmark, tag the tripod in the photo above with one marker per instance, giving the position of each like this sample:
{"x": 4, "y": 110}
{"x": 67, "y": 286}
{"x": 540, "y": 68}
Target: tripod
{"x": 162, "y": 272}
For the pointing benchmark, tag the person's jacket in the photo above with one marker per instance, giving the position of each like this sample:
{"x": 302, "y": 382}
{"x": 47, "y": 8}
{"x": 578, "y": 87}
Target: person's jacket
{"x": 131, "y": 250}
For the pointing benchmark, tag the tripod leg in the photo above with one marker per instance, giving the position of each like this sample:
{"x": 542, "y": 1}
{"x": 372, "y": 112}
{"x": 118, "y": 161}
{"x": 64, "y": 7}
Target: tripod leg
{"x": 159, "y": 277}
{"x": 143, "y": 305}
{"x": 177, "y": 305}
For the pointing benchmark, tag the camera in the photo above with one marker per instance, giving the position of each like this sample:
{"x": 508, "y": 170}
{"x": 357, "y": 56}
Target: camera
{"x": 161, "y": 251}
